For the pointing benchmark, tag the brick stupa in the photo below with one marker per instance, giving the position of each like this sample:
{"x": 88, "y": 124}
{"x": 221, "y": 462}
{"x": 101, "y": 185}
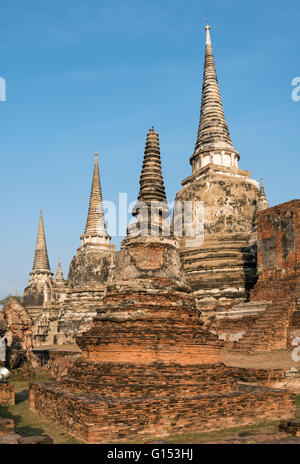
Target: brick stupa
{"x": 148, "y": 368}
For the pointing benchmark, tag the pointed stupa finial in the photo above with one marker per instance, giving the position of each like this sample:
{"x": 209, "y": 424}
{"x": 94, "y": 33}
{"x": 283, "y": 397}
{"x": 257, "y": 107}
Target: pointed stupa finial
{"x": 41, "y": 261}
{"x": 213, "y": 134}
{"x": 151, "y": 208}
{"x": 262, "y": 203}
{"x": 207, "y": 28}
{"x": 95, "y": 224}
{"x": 59, "y": 276}
{"x": 262, "y": 188}
{"x": 151, "y": 180}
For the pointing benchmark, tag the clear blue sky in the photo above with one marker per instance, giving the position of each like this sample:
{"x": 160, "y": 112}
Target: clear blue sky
{"x": 86, "y": 76}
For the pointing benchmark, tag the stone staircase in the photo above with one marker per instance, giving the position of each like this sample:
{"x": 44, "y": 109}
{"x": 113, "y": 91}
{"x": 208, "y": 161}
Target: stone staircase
{"x": 250, "y": 308}
{"x": 269, "y": 332}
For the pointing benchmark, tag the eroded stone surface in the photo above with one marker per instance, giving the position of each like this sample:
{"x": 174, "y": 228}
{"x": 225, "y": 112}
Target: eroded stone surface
{"x": 18, "y": 333}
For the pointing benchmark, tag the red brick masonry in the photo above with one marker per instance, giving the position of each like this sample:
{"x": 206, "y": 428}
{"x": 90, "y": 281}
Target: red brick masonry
{"x": 98, "y": 419}
{"x": 278, "y": 256}
{"x": 7, "y": 394}
{"x": 105, "y": 398}
{"x": 149, "y": 369}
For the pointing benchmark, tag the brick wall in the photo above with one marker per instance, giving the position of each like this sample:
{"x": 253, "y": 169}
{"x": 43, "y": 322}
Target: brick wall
{"x": 7, "y": 394}
{"x": 107, "y": 420}
{"x": 278, "y": 256}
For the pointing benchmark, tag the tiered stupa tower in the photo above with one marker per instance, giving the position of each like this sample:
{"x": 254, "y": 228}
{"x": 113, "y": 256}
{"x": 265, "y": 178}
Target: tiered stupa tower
{"x": 90, "y": 266}
{"x": 222, "y": 269}
{"x": 148, "y": 368}
{"x": 36, "y": 292}
{"x": 62, "y": 308}
{"x": 262, "y": 201}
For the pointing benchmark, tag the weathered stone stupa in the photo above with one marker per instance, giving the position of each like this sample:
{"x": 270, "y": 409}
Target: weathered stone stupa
{"x": 90, "y": 266}
{"x": 89, "y": 269}
{"x": 222, "y": 270}
{"x": 61, "y": 308}
{"x": 36, "y": 293}
{"x": 148, "y": 368}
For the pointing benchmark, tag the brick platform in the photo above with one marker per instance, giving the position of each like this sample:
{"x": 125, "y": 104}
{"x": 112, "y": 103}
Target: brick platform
{"x": 98, "y": 419}
{"x": 148, "y": 369}
{"x": 7, "y": 394}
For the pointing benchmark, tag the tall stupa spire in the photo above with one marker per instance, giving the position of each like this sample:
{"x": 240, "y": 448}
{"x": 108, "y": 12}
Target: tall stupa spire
{"x": 213, "y": 144}
{"x": 151, "y": 208}
{"x": 59, "y": 276}
{"x": 95, "y": 225}
{"x": 41, "y": 261}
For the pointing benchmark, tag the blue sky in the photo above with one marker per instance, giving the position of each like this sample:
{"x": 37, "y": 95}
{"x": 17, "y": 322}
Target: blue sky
{"x": 86, "y": 76}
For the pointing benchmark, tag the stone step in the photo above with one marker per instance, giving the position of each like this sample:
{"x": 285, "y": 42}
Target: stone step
{"x": 269, "y": 331}
{"x": 243, "y": 309}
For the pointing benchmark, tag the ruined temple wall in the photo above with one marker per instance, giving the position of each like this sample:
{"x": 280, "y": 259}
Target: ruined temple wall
{"x": 60, "y": 325}
{"x": 278, "y": 231}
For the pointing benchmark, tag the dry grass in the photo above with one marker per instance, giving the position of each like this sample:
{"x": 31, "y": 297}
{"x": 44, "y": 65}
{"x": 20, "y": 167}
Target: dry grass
{"x": 28, "y": 422}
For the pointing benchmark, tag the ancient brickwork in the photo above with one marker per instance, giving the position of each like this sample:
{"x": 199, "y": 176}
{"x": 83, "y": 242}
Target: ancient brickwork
{"x": 267, "y": 377}
{"x": 149, "y": 380}
{"x": 6, "y": 426}
{"x": 270, "y": 331}
{"x": 18, "y": 321}
{"x": 7, "y": 394}
{"x": 9, "y": 436}
{"x": 278, "y": 231}
{"x": 232, "y": 330}
{"x": 58, "y": 326}
{"x": 290, "y": 426}
{"x": 97, "y": 420}
{"x": 148, "y": 368}
{"x": 276, "y": 296}
{"x": 18, "y": 332}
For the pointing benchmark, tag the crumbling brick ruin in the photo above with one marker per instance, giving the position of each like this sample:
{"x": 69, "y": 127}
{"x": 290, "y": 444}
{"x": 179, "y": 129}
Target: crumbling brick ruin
{"x": 7, "y": 394}
{"x": 270, "y": 321}
{"x": 16, "y": 329}
{"x": 9, "y": 435}
{"x": 148, "y": 368}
